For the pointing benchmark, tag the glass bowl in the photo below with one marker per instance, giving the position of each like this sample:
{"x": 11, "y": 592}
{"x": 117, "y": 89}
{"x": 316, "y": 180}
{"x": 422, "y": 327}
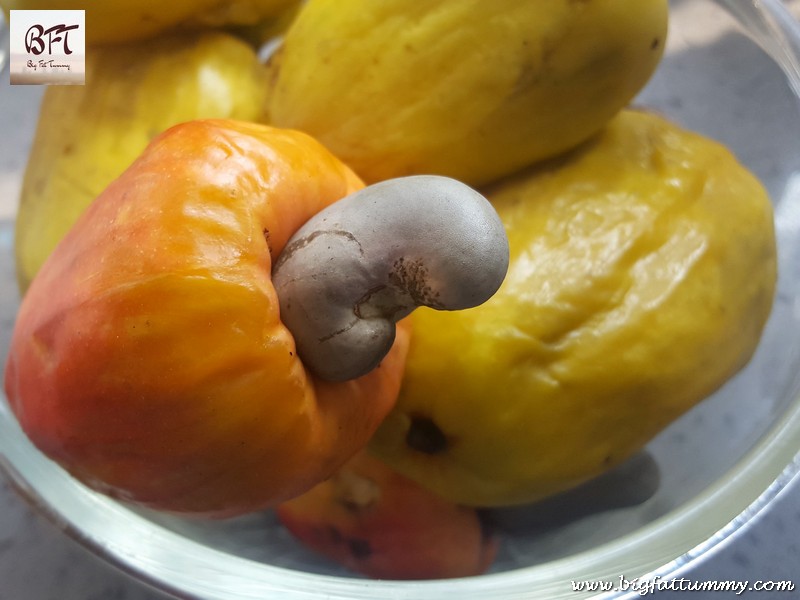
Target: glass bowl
{"x": 732, "y": 72}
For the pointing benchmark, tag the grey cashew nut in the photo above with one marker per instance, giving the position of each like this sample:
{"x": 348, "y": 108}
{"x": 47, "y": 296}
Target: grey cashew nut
{"x": 365, "y": 262}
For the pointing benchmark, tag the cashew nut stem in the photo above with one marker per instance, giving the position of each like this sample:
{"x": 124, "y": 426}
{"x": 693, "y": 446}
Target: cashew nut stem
{"x": 362, "y": 264}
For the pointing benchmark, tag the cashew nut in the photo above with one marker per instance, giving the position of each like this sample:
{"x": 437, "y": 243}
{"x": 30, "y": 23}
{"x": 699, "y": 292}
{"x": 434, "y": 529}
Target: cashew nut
{"x": 362, "y": 264}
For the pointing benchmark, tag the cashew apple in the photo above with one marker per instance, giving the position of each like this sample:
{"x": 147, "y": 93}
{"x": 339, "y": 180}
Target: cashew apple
{"x": 376, "y": 522}
{"x": 149, "y": 358}
{"x": 472, "y": 90}
{"x": 642, "y": 273}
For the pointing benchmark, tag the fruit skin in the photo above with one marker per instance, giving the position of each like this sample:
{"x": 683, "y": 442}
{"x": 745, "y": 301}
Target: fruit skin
{"x": 376, "y": 522}
{"x": 117, "y": 21}
{"x": 87, "y": 135}
{"x": 148, "y": 356}
{"x": 474, "y": 90}
{"x": 643, "y": 269}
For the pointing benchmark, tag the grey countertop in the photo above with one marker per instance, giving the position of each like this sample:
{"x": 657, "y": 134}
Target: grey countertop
{"x": 39, "y": 562}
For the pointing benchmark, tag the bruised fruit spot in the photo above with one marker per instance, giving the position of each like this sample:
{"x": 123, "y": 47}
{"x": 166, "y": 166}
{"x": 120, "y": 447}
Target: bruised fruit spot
{"x": 425, "y": 436}
{"x": 359, "y": 548}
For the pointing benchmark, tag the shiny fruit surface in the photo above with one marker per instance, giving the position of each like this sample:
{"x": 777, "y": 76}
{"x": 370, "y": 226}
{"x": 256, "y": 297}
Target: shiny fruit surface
{"x": 149, "y": 358}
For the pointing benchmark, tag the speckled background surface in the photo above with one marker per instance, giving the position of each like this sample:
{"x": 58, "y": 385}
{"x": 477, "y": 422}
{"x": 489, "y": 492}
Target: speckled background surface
{"x": 38, "y": 562}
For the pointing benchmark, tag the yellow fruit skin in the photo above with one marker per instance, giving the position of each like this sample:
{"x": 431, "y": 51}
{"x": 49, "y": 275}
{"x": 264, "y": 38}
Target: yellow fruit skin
{"x": 643, "y": 269}
{"x": 471, "y": 89}
{"x": 87, "y": 135}
{"x": 120, "y": 21}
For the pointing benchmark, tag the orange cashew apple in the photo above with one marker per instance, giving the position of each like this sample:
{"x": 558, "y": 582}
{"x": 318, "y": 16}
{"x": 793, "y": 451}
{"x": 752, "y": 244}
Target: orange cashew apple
{"x": 374, "y": 521}
{"x": 149, "y": 357}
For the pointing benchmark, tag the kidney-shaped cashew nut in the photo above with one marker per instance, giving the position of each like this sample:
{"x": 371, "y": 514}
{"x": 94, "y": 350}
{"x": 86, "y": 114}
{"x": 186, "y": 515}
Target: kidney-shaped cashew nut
{"x": 356, "y": 268}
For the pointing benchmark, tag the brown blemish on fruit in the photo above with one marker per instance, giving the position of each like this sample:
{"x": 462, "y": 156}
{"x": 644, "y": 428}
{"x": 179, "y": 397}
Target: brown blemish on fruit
{"x": 265, "y": 233}
{"x": 359, "y": 548}
{"x": 425, "y": 436}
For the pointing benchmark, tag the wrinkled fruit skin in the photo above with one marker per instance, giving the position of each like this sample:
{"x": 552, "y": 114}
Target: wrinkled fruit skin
{"x": 376, "y": 522}
{"x": 643, "y": 268}
{"x": 473, "y": 90}
{"x": 87, "y": 135}
{"x": 148, "y": 356}
{"x": 113, "y": 22}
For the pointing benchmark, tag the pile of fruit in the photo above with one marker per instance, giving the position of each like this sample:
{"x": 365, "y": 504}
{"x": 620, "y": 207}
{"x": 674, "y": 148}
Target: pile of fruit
{"x": 222, "y": 237}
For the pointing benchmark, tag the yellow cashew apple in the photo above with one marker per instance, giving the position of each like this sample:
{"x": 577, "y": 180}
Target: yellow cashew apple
{"x": 643, "y": 269}
{"x": 472, "y": 89}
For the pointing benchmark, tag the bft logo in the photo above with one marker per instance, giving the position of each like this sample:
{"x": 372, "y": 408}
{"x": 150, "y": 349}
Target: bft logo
{"x": 58, "y": 34}
{"x": 47, "y": 46}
